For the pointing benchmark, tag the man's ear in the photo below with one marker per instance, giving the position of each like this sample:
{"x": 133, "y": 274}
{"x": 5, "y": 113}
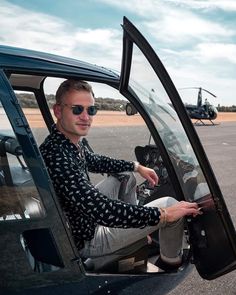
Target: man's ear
{"x": 57, "y": 111}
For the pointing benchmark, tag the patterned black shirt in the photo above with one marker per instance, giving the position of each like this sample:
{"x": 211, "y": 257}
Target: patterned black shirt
{"x": 84, "y": 206}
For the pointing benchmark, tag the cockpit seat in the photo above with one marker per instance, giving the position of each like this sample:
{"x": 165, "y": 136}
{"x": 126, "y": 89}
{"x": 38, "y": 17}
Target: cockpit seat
{"x": 130, "y": 259}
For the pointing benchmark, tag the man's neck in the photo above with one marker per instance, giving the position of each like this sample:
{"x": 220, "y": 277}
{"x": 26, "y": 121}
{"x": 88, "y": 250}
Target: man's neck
{"x": 74, "y": 138}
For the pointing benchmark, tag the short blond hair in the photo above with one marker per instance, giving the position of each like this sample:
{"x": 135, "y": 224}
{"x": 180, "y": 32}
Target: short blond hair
{"x": 72, "y": 84}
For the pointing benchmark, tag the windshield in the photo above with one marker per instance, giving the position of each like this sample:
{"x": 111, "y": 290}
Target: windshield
{"x": 157, "y": 104}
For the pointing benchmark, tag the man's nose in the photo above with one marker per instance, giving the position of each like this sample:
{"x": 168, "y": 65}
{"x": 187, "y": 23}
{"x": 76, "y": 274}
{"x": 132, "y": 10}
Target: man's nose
{"x": 84, "y": 115}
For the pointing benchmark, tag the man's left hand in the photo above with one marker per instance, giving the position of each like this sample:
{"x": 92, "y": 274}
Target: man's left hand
{"x": 148, "y": 174}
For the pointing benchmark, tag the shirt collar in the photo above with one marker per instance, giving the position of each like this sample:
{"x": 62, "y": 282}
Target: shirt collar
{"x": 61, "y": 139}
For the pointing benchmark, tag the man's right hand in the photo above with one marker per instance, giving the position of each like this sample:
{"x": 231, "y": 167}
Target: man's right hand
{"x": 180, "y": 210}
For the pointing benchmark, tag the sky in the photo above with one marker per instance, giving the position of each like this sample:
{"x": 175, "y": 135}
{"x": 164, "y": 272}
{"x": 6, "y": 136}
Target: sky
{"x": 195, "y": 39}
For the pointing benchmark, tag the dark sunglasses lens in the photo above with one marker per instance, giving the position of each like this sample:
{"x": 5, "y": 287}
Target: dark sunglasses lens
{"x": 92, "y": 110}
{"x": 77, "y": 110}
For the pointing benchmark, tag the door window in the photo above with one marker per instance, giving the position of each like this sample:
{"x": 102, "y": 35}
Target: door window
{"x": 19, "y": 198}
{"x": 33, "y": 115}
{"x": 157, "y": 103}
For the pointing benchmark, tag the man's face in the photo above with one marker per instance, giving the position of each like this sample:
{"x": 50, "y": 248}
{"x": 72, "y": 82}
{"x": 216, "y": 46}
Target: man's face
{"x": 74, "y": 126}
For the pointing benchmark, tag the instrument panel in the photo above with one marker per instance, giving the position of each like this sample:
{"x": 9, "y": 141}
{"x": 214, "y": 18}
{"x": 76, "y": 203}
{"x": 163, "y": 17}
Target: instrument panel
{"x": 150, "y": 156}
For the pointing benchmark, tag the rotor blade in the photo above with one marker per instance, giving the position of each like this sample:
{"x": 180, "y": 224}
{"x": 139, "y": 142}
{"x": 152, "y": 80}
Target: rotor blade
{"x": 198, "y": 88}
{"x": 209, "y": 92}
{"x": 189, "y": 88}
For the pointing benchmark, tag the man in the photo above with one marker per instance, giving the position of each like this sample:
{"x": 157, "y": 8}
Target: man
{"x": 100, "y": 223}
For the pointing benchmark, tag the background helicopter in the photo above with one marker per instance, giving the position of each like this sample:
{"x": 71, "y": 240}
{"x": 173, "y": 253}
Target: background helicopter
{"x": 201, "y": 111}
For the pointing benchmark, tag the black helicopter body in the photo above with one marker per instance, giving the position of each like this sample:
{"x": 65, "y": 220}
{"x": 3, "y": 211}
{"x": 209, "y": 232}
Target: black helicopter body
{"x": 202, "y": 111}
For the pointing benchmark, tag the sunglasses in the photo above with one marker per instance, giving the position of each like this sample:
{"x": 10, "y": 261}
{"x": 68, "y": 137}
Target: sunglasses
{"x": 78, "y": 109}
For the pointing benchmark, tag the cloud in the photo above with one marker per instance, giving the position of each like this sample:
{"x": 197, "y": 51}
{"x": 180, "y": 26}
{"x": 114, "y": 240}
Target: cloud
{"x": 176, "y": 21}
{"x": 216, "y": 51}
{"x": 19, "y": 26}
{"x": 206, "y": 4}
{"x": 23, "y": 28}
{"x": 144, "y": 8}
{"x": 205, "y": 53}
{"x": 153, "y": 7}
{"x": 178, "y": 27}
{"x": 195, "y": 48}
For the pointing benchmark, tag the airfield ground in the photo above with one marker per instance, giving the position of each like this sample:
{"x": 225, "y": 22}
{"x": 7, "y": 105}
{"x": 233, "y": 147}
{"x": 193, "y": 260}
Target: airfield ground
{"x": 112, "y": 118}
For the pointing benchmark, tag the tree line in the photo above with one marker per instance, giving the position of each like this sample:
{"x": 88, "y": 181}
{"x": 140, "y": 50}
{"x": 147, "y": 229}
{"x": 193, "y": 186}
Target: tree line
{"x": 227, "y": 108}
{"x": 27, "y": 100}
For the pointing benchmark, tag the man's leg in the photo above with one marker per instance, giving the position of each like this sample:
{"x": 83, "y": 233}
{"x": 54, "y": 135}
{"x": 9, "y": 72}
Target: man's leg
{"x": 107, "y": 240}
{"x": 171, "y": 236}
{"x": 111, "y": 187}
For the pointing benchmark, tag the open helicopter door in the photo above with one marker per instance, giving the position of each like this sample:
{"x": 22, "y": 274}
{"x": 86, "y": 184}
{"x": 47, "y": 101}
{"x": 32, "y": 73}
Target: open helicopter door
{"x": 212, "y": 235}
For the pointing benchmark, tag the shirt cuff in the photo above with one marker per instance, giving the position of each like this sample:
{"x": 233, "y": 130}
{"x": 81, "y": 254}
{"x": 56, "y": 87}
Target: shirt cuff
{"x": 136, "y": 164}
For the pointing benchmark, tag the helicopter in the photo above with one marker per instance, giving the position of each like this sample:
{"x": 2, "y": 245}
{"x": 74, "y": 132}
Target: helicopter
{"x": 201, "y": 111}
{"x": 38, "y": 252}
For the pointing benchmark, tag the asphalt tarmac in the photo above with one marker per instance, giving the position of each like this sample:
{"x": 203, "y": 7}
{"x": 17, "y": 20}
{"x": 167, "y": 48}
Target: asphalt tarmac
{"x": 219, "y": 143}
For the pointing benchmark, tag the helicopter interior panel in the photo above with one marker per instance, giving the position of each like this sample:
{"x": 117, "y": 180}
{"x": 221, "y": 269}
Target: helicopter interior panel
{"x": 19, "y": 196}
{"x": 150, "y": 156}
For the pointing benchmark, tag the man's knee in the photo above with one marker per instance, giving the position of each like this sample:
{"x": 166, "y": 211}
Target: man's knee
{"x": 163, "y": 202}
{"x": 170, "y": 201}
